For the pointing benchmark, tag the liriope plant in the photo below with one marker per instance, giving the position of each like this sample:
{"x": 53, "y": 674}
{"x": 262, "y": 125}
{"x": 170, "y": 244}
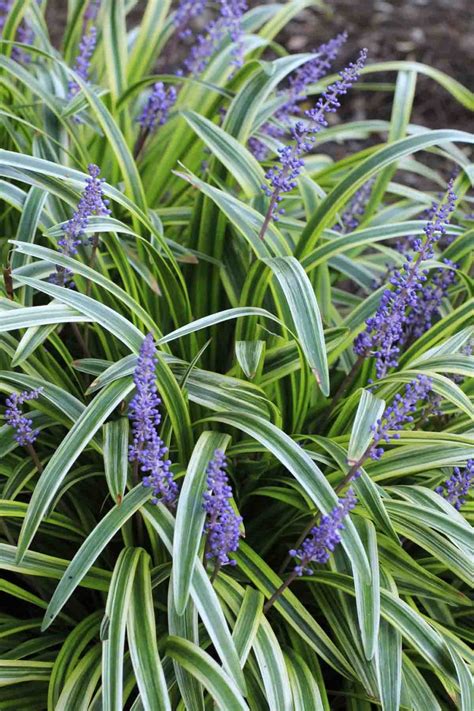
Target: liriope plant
{"x": 236, "y": 449}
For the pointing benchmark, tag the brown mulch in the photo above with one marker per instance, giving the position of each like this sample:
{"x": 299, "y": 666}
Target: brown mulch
{"x": 436, "y": 32}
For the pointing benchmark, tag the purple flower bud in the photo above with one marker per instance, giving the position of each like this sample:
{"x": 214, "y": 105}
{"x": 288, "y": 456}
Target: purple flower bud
{"x": 92, "y": 10}
{"x": 147, "y": 448}
{"x": 157, "y": 107}
{"x": 227, "y": 23}
{"x": 387, "y": 330}
{"x": 399, "y": 413}
{"x": 83, "y": 59}
{"x": 351, "y": 217}
{"x": 324, "y": 537}
{"x": 24, "y": 33}
{"x": 185, "y": 12}
{"x": 92, "y": 202}
{"x": 456, "y": 488}
{"x": 25, "y": 434}
{"x": 222, "y": 523}
{"x": 282, "y": 178}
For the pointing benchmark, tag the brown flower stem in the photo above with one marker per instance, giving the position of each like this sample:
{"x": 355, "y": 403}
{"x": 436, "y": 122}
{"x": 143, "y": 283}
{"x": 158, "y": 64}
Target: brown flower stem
{"x": 279, "y": 591}
{"x": 268, "y": 216}
{"x": 7, "y": 278}
{"x": 215, "y": 572}
{"x": 36, "y": 461}
{"x": 82, "y": 343}
{"x": 346, "y": 383}
{"x": 142, "y": 136}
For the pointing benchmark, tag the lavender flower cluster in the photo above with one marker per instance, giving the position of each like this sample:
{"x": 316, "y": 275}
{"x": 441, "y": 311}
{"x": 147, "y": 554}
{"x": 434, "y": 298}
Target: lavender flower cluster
{"x": 92, "y": 10}
{"x": 351, "y": 217}
{"x": 83, "y": 59}
{"x": 282, "y": 178}
{"x": 324, "y": 537}
{"x": 456, "y": 488}
{"x": 157, "y": 107}
{"x": 222, "y": 523}
{"x": 307, "y": 74}
{"x": 399, "y": 413}
{"x": 148, "y": 449}
{"x": 185, "y": 12}
{"x": 23, "y": 426}
{"x": 92, "y": 202}
{"x": 385, "y": 331}
{"x": 228, "y": 23}
{"x": 430, "y": 298}
{"x": 24, "y": 33}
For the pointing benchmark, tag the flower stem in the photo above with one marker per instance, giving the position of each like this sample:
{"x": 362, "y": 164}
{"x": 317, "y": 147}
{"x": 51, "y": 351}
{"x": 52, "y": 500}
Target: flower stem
{"x": 279, "y": 591}
{"x": 347, "y": 382}
{"x": 7, "y": 278}
{"x": 36, "y": 461}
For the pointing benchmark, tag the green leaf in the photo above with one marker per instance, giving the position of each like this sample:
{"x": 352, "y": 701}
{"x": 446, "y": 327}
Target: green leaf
{"x": 272, "y": 667}
{"x": 92, "y": 548}
{"x": 64, "y": 457}
{"x": 249, "y": 355}
{"x": 306, "y": 694}
{"x": 247, "y": 622}
{"x": 80, "y": 686}
{"x": 142, "y": 55}
{"x": 116, "y": 457}
{"x": 116, "y": 611}
{"x": 326, "y": 212}
{"x": 368, "y": 595}
{"x": 15, "y": 671}
{"x": 204, "y": 598}
{"x": 187, "y": 627}
{"x": 369, "y": 410}
{"x": 92, "y": 309}
{"x": 305, "y": 471}
{"x": 305, "y": 314}
{"x": 389, "y": 658}
{"x": 141, "y": 632}
{"x": 240, "y": 163}
{"x": 68, "y": 656}
{"x": 115, "y": 48}
{"x": 190, "y": 515}
{"x": 220, "y": 686}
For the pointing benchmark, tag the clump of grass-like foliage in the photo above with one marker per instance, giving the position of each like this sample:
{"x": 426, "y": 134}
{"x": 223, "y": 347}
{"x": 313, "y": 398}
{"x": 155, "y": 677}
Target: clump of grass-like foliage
{"x": 236, "y": 449}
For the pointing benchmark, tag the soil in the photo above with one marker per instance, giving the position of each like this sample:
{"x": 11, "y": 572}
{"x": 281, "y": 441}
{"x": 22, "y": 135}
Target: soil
{"x": 436, "y": 32}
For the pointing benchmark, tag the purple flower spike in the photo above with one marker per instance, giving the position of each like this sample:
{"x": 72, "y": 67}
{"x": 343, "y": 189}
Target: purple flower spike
{"x": 385, "y": 331}
{"x": 430, "y": 299}
{"x": 83, "y": 59}
{"x": 456, "y": 488}
{"x": 222, "y": 525}
{"x": 324, "y": 537}
{"x": 25, "y": 434}
{"x": 92, "y": 202}
{"x": 282, "y": 178}
{"x": 228, "y": 23}
{"x": 185, "y": 12}
{"x": 92, "y": 10}
{"x": 311, "y": 72}
{"x": 400, "y": 413}
{"x": 308, "y": 73}
{"x": 147, "y": 448}
{"x": 157, "y": 107}
{"x": 351, "y": 217}
{"x": 5, "y": 7}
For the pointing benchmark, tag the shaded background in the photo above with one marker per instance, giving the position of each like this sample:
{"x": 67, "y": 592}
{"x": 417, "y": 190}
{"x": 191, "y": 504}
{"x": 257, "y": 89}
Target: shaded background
{"x": 435, "y": 32}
